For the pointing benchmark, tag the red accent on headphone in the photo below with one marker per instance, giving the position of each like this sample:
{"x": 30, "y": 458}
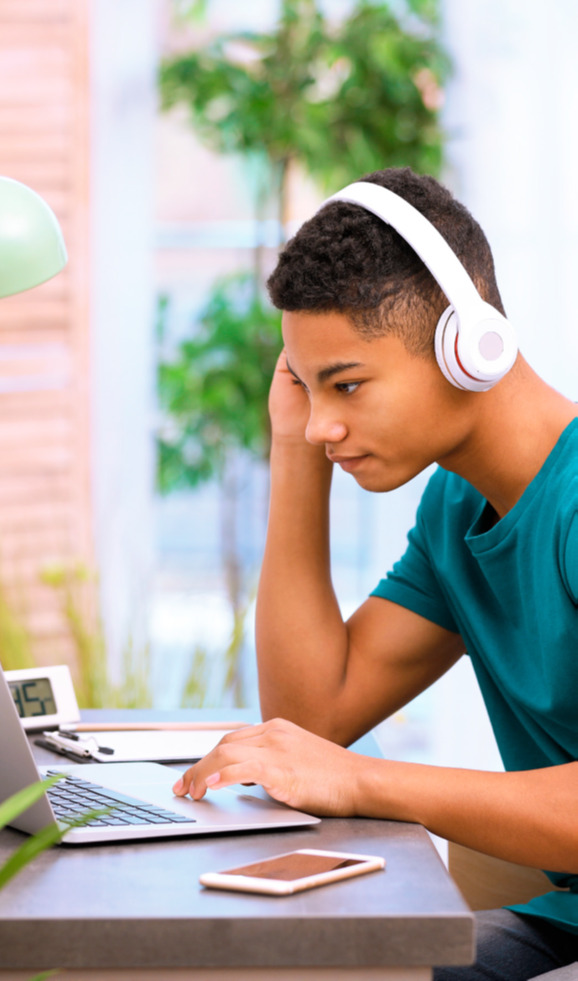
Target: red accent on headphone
{"x": 473, "y": 377}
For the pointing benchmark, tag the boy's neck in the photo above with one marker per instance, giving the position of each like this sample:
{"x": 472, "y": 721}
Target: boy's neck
{"x": 519, "y": 424}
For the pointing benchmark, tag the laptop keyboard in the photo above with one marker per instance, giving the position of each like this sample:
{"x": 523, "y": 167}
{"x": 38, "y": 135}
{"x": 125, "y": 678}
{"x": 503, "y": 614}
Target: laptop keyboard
{"x": 73, "y": 797}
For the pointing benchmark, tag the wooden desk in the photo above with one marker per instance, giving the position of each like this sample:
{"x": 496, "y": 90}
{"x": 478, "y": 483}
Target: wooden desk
{"x": 136, "y": 911}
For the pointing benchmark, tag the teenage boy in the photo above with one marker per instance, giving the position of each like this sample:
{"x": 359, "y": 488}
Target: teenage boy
{"x": 491, "y": 567}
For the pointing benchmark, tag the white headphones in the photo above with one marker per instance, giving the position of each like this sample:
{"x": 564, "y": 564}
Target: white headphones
{"x": 475, "y": 345}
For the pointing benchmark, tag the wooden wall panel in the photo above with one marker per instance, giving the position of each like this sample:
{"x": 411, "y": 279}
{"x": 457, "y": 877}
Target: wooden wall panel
{"x": 45, "y": 501}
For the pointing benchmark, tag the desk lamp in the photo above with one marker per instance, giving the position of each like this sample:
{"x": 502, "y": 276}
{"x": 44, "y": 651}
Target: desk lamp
{"x": 32, "y": 248}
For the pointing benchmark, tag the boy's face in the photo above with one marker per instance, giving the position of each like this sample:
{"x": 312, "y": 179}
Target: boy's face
{"x": 382, "y": 414}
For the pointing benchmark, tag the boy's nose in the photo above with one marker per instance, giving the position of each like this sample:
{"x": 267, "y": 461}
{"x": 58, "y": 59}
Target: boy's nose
{"x": 321, "y": 430}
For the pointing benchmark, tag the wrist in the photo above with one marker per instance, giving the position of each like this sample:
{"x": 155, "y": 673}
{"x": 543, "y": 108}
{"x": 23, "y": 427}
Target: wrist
{"x": 385, "y": 790}
{"x": 296, "y": 456}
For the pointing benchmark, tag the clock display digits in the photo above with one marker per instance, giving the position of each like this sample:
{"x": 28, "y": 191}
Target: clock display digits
{"x": 34, "y": 697}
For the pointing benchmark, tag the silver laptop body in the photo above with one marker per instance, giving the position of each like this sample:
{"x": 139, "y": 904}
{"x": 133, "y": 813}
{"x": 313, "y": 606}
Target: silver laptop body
{"x": 150, "y": 783}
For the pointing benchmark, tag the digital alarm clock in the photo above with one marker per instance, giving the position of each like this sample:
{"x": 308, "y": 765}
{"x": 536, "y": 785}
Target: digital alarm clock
{"x": 44, "y": 697}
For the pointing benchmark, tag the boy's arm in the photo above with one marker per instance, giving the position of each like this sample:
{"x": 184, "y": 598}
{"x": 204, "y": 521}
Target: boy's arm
{"x": 337, "y": 679}
{"x": 527, "y": 817}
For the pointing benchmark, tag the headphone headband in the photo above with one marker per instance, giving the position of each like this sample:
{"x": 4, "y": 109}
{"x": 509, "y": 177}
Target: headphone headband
{"x": 483, "y": 345}
{"x": 423, "y": 237}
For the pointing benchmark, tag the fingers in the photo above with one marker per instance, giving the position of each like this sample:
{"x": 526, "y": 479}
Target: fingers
{"x": 294, "y": 766}
{"x": 216, "y": 769}
{"x": 247, "y": 771}
{"x": 198, "y": 779}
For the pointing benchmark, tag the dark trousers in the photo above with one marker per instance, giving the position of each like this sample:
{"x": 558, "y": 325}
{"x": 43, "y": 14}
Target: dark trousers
{"x": 514, "y": 948}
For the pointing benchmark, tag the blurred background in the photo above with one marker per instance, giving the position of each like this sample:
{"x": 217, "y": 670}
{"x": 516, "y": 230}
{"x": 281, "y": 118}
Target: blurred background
{"x": 180, "y": 144}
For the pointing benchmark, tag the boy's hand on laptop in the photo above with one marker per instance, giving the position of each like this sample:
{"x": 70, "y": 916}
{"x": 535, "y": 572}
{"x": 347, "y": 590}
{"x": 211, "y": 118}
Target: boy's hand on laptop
{"x": 293, "y": 765}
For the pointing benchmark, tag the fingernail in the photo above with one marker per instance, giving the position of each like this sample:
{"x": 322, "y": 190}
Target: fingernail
{"x": 178, "y": 786}
{"x": 213, "y": 779}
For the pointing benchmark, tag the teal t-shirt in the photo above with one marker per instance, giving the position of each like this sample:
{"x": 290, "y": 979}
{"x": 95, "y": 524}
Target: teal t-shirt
{"x": 511, "y": 592}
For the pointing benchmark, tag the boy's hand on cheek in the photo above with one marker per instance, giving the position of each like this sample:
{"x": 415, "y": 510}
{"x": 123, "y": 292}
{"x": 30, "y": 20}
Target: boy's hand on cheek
{"x": 293, "y": 765}
{"x": 288, "y": 404}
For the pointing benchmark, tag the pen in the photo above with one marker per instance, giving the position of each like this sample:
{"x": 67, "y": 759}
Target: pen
{"x": 82, "y": 756}
{"x": 52, "y": 740}
{"x": 55, "y": 738}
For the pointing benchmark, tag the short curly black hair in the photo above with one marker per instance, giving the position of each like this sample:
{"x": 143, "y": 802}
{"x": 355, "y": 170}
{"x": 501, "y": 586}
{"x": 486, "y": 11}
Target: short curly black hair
{"x": 345, "y": 259}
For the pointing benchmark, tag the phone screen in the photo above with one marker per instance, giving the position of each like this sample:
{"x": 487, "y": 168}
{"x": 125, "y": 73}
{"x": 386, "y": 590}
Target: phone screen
{"x": 294, "y": 865}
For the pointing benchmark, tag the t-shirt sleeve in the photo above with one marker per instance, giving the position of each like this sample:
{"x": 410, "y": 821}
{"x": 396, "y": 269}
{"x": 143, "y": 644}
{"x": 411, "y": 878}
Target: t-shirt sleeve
{"x": 412, "y": 582}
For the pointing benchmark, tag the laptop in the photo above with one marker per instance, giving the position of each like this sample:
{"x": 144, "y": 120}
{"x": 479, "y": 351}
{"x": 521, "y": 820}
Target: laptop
{"x": 137, "y": 797}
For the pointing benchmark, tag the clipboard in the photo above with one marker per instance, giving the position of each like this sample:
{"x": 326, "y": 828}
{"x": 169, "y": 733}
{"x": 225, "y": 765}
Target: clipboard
{"x": 134, "y": 742}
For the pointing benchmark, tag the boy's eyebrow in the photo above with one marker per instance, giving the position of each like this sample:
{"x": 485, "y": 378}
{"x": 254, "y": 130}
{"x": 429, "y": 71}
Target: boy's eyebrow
{"x": 332, "y": 369}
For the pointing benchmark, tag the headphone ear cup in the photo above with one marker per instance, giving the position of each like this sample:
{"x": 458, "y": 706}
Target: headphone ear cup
{"x": 445, "y": 343}
{"x": 475, "y": 357}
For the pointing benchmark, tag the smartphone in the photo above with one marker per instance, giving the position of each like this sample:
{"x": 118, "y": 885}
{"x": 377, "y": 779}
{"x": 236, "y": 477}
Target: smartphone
{"x": 292, "y": 872}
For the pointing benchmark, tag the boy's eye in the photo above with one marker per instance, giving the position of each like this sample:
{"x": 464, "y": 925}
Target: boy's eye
{"x": 348, "y": 388}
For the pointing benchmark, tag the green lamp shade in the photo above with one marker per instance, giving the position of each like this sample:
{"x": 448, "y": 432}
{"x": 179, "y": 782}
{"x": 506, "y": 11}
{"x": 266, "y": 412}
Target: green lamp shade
{"x": 32, "y": 248}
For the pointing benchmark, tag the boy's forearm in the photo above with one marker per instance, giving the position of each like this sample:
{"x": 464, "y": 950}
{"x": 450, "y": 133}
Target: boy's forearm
{"x": 525, "y": 817}
{"x": 301, "y": 638}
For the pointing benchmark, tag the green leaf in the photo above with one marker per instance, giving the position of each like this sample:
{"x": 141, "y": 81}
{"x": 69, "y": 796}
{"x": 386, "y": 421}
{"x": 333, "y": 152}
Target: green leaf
{"x": 213, "y": 393}
{"x": 24, "y": 799}
{"x": 328, "y": 94}
{"x": 32, "y": 847}
{"x": 37, "y": 843}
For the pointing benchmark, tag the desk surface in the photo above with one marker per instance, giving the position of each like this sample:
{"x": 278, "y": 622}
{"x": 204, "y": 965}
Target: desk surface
{"x": 140, "y": 905}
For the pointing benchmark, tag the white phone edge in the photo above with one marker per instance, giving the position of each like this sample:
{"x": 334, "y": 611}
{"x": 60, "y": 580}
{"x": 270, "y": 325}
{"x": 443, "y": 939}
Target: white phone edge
{"x": 278, "y": 887}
